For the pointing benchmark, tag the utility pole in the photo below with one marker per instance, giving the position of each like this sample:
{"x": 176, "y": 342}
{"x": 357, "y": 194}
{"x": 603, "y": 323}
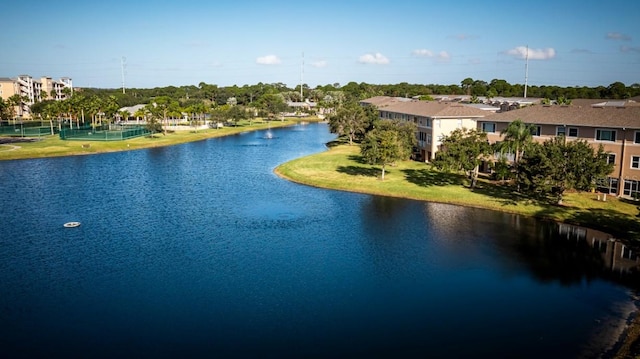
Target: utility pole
{"x": 123, "y": 61}
{"x": 526, "y": 71}
{"x": 302, "y": 79}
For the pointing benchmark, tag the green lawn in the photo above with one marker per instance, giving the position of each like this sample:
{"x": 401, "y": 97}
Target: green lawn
{"x": 51, "y": 146}
{"x": 341, "y": 168}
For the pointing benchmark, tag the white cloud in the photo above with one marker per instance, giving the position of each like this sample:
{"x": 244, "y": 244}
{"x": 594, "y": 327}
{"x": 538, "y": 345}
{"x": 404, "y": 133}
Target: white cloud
{"x": 268, "y": 60}
{"x": 444, "y": 56}
{"x": 617, "y": 36}
{"x": 377, "y": 58}
{"x": 422, "y": 53}
{"x": 522, "y": 52}
{"x": 320, "y": 63}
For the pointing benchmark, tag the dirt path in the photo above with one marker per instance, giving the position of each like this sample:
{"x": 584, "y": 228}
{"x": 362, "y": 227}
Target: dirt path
{"x": 11, "y": 148}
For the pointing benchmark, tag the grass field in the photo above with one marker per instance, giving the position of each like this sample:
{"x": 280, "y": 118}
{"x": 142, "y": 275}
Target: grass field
{"x": 52, "y": 146}
{"x": 341, "y": 168}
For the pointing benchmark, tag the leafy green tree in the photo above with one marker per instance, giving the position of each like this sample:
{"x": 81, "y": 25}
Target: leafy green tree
{"x": 479, "y": 88}
{"x": 617, "y": 90}
{"x": 557, "y": 165}
{"x": 237, "y": 113}
{"x": 4, "y": 110}
{"x": 406, "y": 135}
{"x": 463, "y": 150}
{"x": 350, "y": 120}
{"x": 154, "y": 125}
{"x": 466, "y": 85}
{"x": 218, "y": 116}
{"x": 502, "y": 169}
{"x": 381, "y": 147}
{"x": 273, "y": 105}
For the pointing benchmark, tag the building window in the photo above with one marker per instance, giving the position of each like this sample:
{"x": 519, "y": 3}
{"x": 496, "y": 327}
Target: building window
{"x": 489, "y": 127}
{"x": 535, "y": 130}
{"x": 573, "y": 132}
{"x": 631, "y": 188}
{"x": 561, "y": 131}
{"x": 609, "y": 185}
{"x": 636, "y": 139}
{"x": 605, "y": 135}
{"x": 611, "y": 158}
{"x": 635, "y": 161}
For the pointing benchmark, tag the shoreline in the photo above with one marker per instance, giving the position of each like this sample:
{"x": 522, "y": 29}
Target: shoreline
{"x": 23, "y": 148}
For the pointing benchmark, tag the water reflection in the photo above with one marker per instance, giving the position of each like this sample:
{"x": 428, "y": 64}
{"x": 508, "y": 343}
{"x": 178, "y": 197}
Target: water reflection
{"x": 550, "y": 251}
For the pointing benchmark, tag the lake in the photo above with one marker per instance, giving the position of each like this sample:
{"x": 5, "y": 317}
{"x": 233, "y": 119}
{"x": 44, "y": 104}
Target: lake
{"x": 199, "y": 250}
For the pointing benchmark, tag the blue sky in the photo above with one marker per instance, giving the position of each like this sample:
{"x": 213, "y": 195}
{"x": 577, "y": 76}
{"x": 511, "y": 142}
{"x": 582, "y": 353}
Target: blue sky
{"x": 163, "y": 43}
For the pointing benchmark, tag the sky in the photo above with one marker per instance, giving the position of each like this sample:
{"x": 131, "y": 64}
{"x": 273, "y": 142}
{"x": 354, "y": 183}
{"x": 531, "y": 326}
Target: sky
{"x": 241, "y": 42}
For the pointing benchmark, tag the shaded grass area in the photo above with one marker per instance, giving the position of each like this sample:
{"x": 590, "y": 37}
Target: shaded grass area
{"x": 53, "y": 146}
{"x": 342, "y": 168}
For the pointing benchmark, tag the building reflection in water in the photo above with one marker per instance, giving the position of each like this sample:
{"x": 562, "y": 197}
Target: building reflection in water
{"x": 617, "y": 256}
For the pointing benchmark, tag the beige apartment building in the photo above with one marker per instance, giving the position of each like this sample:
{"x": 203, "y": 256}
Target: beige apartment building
{"x": 33, "y": 91}
{"x": 434, "y": 119}
{"x": 613, "y": 124}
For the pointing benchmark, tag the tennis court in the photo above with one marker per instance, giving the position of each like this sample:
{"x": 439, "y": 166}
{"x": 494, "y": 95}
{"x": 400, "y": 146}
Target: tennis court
{"x": 104, "y": 133}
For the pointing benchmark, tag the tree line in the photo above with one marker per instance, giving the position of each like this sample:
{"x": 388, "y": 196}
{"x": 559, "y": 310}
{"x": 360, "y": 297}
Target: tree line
{"x": 328, "y": 96}
{"x": 359, "y": 91}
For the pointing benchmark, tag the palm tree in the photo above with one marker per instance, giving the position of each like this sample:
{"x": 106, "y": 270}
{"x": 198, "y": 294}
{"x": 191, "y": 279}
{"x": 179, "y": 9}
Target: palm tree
{"x": 140, "y": 114}
{"x": 516, "y": 138}
{"x": 15, "y": 101}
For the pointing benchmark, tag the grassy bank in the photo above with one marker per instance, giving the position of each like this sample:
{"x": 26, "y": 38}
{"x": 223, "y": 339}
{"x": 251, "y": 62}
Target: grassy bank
{"x": 341, "y": 168}
{"x": 53, "y": 146}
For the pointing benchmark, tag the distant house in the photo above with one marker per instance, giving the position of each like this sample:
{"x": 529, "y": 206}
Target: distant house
{"x": 300, "y": 108}
{"x": 132, "y": 111}
{"x": 613, "y": 124}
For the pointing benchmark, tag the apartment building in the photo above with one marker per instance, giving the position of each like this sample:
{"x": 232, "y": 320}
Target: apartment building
{"x": 32, "y": 91}
{"x": 434, "y": 119}
{"x": 613, "y": 124}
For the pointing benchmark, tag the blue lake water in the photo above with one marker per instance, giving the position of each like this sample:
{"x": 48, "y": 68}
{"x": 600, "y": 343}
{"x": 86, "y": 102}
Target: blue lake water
{"x": 199, "y": 250}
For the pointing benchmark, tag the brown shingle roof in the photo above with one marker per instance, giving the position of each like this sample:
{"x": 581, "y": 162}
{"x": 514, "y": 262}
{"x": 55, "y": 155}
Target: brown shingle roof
{"x": 381, "y": 101}
{"x": 626, "y": 117}
{"x": 433, "y": 109}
